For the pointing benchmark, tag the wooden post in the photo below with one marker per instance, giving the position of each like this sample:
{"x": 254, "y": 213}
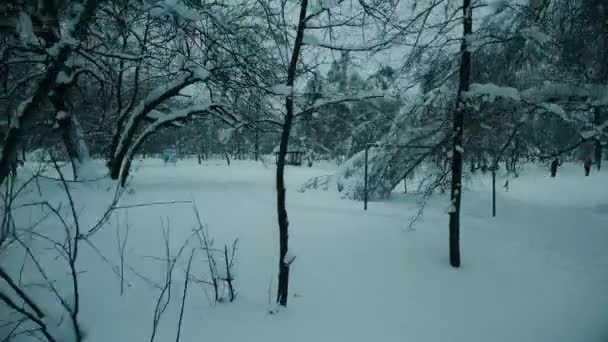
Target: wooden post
{"x": 598, "y": 141}
{"x": 494, "y": 192}
{"x": 257, "y": 144}
{"x": 365, "y": 179}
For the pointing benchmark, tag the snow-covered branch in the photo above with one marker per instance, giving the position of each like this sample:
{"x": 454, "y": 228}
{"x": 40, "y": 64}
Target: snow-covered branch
{"x": 161, "y": 121}
{"x": 82, "y": 11}
{"x": 352, "y": 98}
{"x": 594, "y": 94}
{"x": 155, "y": 98}
{"x": 546, "y": 97}
{"x": 311, "y": 40}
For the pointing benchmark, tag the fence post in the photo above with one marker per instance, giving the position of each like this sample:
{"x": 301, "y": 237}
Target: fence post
{"x": 365, "y": 179}
{"x": 493, "y": 192}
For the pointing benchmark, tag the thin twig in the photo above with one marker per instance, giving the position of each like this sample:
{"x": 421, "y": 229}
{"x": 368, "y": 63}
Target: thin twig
{"x": 181, "y": 311}
{"x": 73, "y": 256}
{"x": 150, "y": 204}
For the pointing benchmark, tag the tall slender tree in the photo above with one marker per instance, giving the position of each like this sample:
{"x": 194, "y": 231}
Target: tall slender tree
{"x": 458, "y": 125}
{"x": 283, "y": 288}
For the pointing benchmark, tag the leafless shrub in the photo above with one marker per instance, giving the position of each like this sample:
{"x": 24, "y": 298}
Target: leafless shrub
{"x": 221, "y": 273}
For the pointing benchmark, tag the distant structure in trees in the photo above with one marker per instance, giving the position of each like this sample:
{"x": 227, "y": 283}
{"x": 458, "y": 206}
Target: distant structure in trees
{"x": 294, "y": 154}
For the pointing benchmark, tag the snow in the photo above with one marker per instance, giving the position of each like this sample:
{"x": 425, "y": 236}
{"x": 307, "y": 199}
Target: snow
{"x": 556, "y": 109}
{"x": 173, "y": 8}
{"x": 156, "y": 114}
{"x": 170, "y": 118}
{"x": 588, "y": 134}
{"x": 282, "y": 89}
{"x": 555, "y": 90}
{"x": 225, "y": 134}
{"x": 497, "y": 5}
{"x": 537, "y": 272}
{"x": 535, "y": 34}
{"x": 290, "y": 257}
{"x": 200, "y": 72}
{"x": 25, "y": 29}
{"x": 63, "y": 78}
{"x": 61, "y": 115}
{"x": 91, "y": 170}
{"x": 15, "y": 122}
{"x": 596, "y": 94}
{"x": 310, "y": 39}
{"x": 490, "y": 92}
{"x": 319, "y": 5}
{"x": 155, "y": 96}
{"x": 322, "y": 102}
{"x": 61, "y": 328}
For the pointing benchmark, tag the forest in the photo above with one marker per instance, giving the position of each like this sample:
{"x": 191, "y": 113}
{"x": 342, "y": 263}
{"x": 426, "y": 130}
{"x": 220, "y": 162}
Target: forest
{"x": 248, "y": 127}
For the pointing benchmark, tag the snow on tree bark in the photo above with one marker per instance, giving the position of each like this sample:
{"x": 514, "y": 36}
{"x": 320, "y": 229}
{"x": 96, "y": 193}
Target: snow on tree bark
{"x": 458, "y": 126}
{"x": 59, "y": 53}
{"x": 139, "y": 113}
{"x": 283, "y": 286}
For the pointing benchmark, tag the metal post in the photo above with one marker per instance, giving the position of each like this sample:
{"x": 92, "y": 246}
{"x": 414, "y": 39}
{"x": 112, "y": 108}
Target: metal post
{"x": 365, "y": 179}
{"x": 494, "y": 192}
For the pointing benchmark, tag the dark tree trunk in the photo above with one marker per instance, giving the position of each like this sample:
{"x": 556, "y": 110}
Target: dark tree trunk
{"x": 124, "y": 175}
{"x": 120, "y": 120}
{"x": 71, "y": 132}
{"x": 458, "y": 124}
{"x": 14, "y": 135}
{"x": 116, "y": 163}
{"x": 125, "y": 136}
{"x": 113, "y": 163}
{"x": 598, "y": 154}
{"x": 65, "y": 125}
{"x": 493, "y": 192}
{"x": 283, "y": 287}
{"x": 257, "y": 145}
{"x": 598, "y": 142}
{"x": 227, "y": 158}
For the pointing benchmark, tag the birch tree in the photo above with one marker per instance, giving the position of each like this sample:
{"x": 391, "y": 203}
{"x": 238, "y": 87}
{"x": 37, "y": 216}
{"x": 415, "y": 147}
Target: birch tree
{"x": 50, "y": 77}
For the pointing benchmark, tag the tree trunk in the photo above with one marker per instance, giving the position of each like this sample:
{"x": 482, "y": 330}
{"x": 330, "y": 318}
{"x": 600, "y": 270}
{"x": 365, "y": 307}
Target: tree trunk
{"x": 125, "y": 135}
{"x": 124, "y": 174}
{"x": 23, "y": 152}
{"x": 75, "y": 144}
{"x": 598, "y": 153}
{"x": 14, "y": 135}
{"x": 494, "y": 192}
{"x": 598, "y": 142}
{"x": 227, "y": 158}
{"x": 283, "y": 285}
{"x": 257, "y": 145}
{"x": 458, "y": 126}
{"x": 71, "y": 132}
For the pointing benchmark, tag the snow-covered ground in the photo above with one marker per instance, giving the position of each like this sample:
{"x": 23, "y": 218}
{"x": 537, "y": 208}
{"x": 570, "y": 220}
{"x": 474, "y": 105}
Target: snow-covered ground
{"x": 537, "y": 272}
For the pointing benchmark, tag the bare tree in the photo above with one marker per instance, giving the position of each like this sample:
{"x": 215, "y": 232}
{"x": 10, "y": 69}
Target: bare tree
{"x": 458, "y": 121}
{"x": 60, "y": 49}
{"x": 283, "y": 285}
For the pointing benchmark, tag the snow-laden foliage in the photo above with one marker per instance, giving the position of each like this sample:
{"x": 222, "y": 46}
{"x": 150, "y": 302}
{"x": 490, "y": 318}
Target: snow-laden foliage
{"x": 413, "y": 137}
